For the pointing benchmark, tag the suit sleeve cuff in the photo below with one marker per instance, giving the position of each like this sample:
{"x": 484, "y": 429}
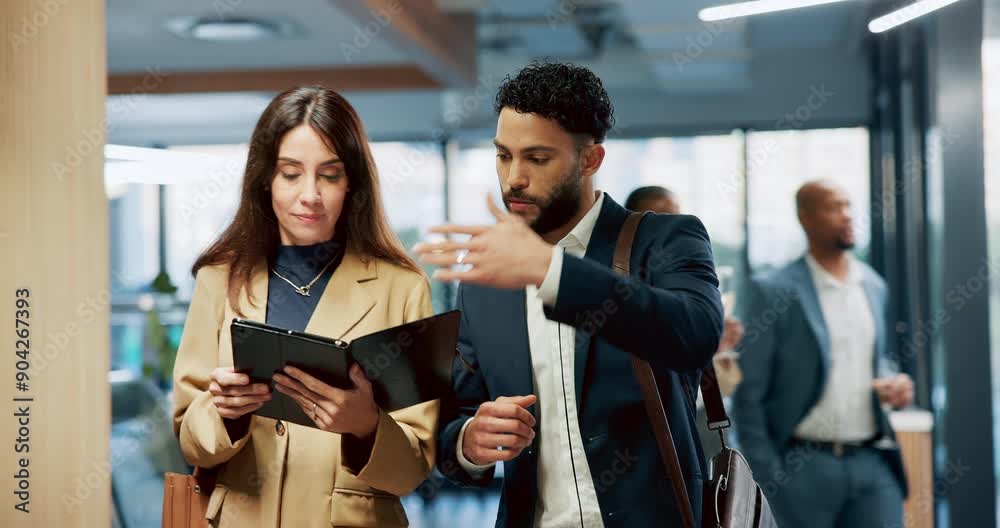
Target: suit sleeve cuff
{"x": 401, "y": 454}
{"x": 549, "y": 289}
{"x": 476, "y": 471}
{"x": 374, "y": 461}
{"x": 205, "y": 440}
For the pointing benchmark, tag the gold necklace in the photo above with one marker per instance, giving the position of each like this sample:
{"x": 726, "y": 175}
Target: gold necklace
{"x": 303, "y": 290}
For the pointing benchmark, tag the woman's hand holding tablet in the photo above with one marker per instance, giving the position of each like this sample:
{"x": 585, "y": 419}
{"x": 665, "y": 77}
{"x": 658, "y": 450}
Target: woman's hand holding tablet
{"x": 352, "y": 411}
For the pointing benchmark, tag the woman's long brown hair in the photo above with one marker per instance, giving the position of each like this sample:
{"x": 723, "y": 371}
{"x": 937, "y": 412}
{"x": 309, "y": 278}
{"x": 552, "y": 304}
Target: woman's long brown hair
{"x": 253, "y": 236}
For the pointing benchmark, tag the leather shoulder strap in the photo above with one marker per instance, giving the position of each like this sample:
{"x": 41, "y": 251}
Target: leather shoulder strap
{"x": 715, "y": 408}
{"x": 623, "y": 248}
{"x": 647, "y": 384}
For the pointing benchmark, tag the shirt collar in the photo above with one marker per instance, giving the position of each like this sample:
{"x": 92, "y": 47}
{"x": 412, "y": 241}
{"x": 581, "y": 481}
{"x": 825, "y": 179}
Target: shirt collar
{"x": 825, "y": 279}
{"x": 584, "y": 229}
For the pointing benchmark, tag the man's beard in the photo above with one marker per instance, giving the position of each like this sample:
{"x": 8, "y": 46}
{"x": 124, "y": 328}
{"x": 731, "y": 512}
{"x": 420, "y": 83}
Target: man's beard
{"x": 843, "y": 245}
{"x": 560, "y": 208}
{"x": 844, "y": 242}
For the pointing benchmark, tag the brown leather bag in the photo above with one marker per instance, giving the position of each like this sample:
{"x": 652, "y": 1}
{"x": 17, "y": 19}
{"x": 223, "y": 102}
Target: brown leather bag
{"x": 731, "y": 499}
{"x": 185, "y": 498}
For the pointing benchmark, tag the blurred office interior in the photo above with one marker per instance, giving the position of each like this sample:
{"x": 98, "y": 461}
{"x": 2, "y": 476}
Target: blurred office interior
{"x": 732, "y": 116}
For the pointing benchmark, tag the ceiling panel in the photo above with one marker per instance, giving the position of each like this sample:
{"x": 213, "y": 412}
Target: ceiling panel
{"x": 823, "y": 26}
{"x": 137, "y": 37}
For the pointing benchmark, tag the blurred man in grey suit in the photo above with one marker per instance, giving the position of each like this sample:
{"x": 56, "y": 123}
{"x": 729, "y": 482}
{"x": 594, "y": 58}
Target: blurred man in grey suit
{"x": 809, "y": 412}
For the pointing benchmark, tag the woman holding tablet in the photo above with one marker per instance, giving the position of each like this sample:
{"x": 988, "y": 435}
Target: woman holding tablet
{"x": 310, "y": 249}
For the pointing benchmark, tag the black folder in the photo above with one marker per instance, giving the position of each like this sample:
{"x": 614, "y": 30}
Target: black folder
{"x": 407, "y": 364}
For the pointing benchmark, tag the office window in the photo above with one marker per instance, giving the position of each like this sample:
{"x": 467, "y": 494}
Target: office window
{"x": 133, "y": 225}
{"x": 778, "y": 163}
{"x": 472, "y": 174}
{"x": 412, "y": 178}
{"x": 145, "y": 323}
{"x": 199, "y": 205}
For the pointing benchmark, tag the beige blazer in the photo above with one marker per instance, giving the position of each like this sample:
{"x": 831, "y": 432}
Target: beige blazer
{"x": 286, "y": 474}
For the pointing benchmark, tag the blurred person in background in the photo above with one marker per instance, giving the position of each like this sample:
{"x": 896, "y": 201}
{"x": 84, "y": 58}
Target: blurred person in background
{"x": 310, "y": 249}
{"x": 662, "y": 200}
{"x": 653, "y": 198}
{"x": 811, "y": 410}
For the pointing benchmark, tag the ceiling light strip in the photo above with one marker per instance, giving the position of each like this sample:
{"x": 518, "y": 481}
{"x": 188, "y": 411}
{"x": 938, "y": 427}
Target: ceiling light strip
{"x": 756, "y": 7}
{"x": 906, "y": 14}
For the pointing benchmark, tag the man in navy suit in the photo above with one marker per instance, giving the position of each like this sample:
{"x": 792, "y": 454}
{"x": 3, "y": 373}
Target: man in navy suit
{"x": 809, "y": 412}
{"x": 544, "y": 382}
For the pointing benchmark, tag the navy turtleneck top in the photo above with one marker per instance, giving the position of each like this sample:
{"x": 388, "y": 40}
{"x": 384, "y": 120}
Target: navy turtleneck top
{"x": 300, "y": 264}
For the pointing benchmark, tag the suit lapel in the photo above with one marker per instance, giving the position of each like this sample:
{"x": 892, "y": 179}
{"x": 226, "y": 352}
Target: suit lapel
{"x": 600, "y": 249}
{"x": 258, "y": 287}
{"x": 878, "y": 316}
{"x": 809, "y": 300}
{"x": 345, "y": 300}
{"x": 516, "y": 348}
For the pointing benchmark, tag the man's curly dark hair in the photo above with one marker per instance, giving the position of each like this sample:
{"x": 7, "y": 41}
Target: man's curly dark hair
{"x": 568, "y": 94}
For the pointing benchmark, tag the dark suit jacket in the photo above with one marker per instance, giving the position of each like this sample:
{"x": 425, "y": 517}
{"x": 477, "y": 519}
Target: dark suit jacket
{"x": 785, "y": 361}
{"x": 672, "y": 318}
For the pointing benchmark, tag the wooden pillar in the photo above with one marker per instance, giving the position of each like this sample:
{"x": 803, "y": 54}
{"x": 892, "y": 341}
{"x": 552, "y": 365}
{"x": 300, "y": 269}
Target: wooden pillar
{"x": 54, "y": 255}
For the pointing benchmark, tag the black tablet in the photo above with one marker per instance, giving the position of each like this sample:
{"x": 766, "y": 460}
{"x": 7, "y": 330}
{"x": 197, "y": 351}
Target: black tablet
{"x": 407, "y": 364}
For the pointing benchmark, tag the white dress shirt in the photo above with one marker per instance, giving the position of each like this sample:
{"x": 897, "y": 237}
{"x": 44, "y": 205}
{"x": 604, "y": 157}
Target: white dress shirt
{"x": 566, "y": 494}
{"x": 844, "y": 412}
